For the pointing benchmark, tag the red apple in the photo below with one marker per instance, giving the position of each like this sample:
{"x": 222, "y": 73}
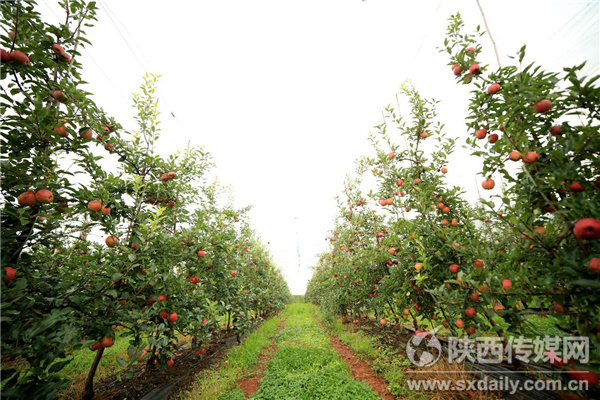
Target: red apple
{"x": 60, "y": 96}
{"x": 96, "y": 346}
{"x": 44, "y": 196}
{"x": 474, "y": 296}
{"x": 161, "y": 297}
{"x": 488, "y": 184}
{"x": 194, "y": 280}
{"x": 515, "y": 155}
{"x": 530, "y": 157}
{"x": 556, "y": 130}
{"x": 27, "y": 199}
{"x": 580, "y": 375}
{"x": 391, "y": 155}
{"x": 233, "y": 272}
{"x": 499, "y": 309}
{"x": 470, "y": 50}
{"x": 19, "y": 58}
{"x": 170, "y": 363}
{"x": 111, "y": 241}
{"x": 471, "y": 312}
{"x": 86, "y": 133}
{"x": 171, "y": 174}
{"x": 576, "y": 187}
{"x": 10, "y": 274}
{"x": 454, "y": 268}
{"x": 594, "y": 264}
{"x": 587, "y": 229}
{"x": 382, "y": 321}
{"x": 457, "y": 70}
{"x": 201, "y": 253}
{"x": 460, "y": 323}
{"x": 506, "y": 284}
{"x": 475, "y": 69}
{"x": 163, "y": 314}
{"x": 543, "y": 106}
{"x": 57, "y": 49}
{"x": 107, "y": 341}
{"x": 481, "y": 133}
{"x": 494, "y": 88}
{"x": 493, "y": 138}
{"x": 105, "y": 210}
{"x": 4, "y": 56}
{"x": 172, "y": 317}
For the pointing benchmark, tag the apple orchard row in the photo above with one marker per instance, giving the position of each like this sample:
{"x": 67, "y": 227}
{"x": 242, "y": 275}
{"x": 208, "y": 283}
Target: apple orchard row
{"x": 415, "y": 250}
{"x": 104, "y": 239}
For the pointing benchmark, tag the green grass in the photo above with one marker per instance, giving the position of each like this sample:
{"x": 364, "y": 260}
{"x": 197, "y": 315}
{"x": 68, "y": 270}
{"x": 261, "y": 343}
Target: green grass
{"x": 389, "y": 363}
{"x": 220, "y": 381}
{"x": 306, "y": 366}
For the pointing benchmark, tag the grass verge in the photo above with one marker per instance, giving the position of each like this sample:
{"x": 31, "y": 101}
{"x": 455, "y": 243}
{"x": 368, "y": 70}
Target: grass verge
{"x": 220, "y": 381}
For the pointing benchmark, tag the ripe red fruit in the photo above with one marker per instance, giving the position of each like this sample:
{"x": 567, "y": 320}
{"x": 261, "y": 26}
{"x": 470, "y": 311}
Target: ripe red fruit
{"x": 171, "y": 174}
{"x": 61, "y": 131}
{"x": 201, "y": 253}
{"x": 170, "y": 363}
{"x": 530, "y": 157}
{"x": 162, "y": 297}
{"x": 163, "y": 314}
{"x": 4, "y": 56}
{"x": 382, "y": 321}
{"x": 494, "y": 88}
{"x": 86, "y": 133}
{"x": 471, "y": 312}
{"x": 133, "y": 246}
{"x": 493, "y": 138}
{"x": 498, "y": 309}
{"x": 10, "y": 274}
{"x": 105, "y": 210}
{"x": 478, "y": 264}
{"x": 556, "y": 130}
{"x": 94, "y": 205}
{"x": 27, "y": 199}
{"x": 399, "y": 182}
{"x": 474, "y": 296}
{"x": 19, "y": 58}
{"x": 470, "y": 50}
{"x": 233, "y": 272}
{"x": 515, "y": 155}
{"x": 96, "y": 346}
{"x": 543, "y": 106}
{"x": 194, "y": 280}
{"x": 488, "y": 184}
{"x": 111, "y": 241}
{"x": 44, "y": 196}
{"x": 457, "y": 70}
{"x": 60, "y": 96}
{"x": 481, "y": 133}
{"x": 444, "y": 170}
{"x": 475, "y": 69}
{"x": 424, "y": 135}
{"x": 580, "y": 376}
{"x": 454, "y": 268}
{"x": 576, "y": 187}
{"x": 57, "y": 49}
{"x": 172, "y": 317}
{"x": 391, "y": 155}
{"x": 460, "y": 323}
{"x": 107, "y": 341}
{"x": 594, "y": 264}
{"x": 506, "y": 284}
{"x": 587, "y": 229}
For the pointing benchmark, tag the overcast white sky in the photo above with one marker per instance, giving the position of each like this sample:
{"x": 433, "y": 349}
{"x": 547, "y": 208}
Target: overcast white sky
{"x": 284, "y": 93}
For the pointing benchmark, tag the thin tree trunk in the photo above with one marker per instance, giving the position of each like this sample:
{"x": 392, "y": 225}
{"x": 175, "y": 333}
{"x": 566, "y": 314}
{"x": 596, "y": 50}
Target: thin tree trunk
{"x": 88, "y": 390}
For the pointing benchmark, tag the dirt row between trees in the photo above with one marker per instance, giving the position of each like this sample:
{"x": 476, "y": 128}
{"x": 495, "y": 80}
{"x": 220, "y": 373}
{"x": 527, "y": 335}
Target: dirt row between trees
{"x": 361, "y": 371}
{"x": 251, "y": 384}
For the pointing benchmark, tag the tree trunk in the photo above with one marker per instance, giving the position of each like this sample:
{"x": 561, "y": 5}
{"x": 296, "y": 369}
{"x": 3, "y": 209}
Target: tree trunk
{"x": 88, "y": 390}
